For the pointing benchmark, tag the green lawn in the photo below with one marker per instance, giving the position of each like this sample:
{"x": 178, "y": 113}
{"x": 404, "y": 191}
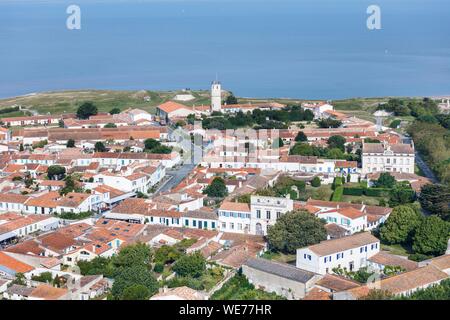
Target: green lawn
{"x": 279, "y": 257}
{"x": 371, "y": 201}
{"x": 397, "y": 249}
{"x": 238, "y": 288}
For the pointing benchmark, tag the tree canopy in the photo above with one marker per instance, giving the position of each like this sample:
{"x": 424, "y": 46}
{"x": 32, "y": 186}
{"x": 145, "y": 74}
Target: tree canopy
{"x": 435, "y": 199}
{"x": 193, "y": 265}
{"x": 401, "y": 225}
{"x": 216, "y": 189}
{"x": 86, "y": 110}
{"x": 114, "y": 111}
{"x": 56, "y": 172}
{"x": 301, "y": 137}
{"x": 431, "y": 236}
{"x": 99, "y": 147}
{"x": 295, "y": 229}
{"x": 70, "y": 143}
{"x": 337, "y": 142}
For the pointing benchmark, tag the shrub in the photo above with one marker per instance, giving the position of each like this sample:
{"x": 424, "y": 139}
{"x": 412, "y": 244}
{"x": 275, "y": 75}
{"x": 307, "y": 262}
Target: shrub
{"x": 315, "y": 182}
{"x": 159, "y": 267}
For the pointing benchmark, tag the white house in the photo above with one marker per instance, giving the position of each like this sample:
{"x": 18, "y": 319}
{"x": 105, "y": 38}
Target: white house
{"x": 318, "y": 109}
{"x": 234, "y": 217}
{"x": 382, "y": 157}
{"x": 349, "y": 218}
{"x": 350, "y": 253}
{"x": 265, "y": 211}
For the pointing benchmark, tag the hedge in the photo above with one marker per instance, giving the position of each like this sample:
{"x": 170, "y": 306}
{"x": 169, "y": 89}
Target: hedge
{"x": 353, "y": 191}
{"x": 337, "y": 194}
{"x": 337, "y": 183}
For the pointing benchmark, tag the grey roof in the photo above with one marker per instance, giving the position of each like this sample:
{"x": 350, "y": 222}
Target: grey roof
{"x": 20, "y": 290}
{"x": 200, "y": 214}
{"x": 280, "y": 269}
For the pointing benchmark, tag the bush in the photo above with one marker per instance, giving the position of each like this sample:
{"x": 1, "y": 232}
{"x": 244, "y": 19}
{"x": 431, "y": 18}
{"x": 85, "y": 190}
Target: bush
{"x": 159, "y": 267}
{"x": 315, "y": 182}
{"x": 395, "y": 123}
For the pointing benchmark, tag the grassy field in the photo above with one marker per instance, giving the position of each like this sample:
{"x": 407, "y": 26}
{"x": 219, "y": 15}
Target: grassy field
{"x": 396, "y": 249}
{"x": 279, "y": 257}
{"x": 105, "y": 100}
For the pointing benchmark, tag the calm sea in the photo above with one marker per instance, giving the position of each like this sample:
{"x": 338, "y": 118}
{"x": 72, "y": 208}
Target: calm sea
{"x": 266, "y": 48}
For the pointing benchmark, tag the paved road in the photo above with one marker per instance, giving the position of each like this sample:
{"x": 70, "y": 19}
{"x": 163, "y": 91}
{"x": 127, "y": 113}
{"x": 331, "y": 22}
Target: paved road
{"x": 425, "y": 169}
{"x": 177, "y": 176}
{"x": 421, "y": 163}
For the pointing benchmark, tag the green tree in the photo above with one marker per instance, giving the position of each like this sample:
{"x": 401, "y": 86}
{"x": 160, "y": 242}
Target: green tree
{"x": 86, "y": 110}
{"x": 295, "y": 229}
{"x": 114, "y": 111}
{"x": 136, "y": 292}
{"x": 435, "y": 199}
{"x": 20, "y": 279}
{"x": 401, "y": 195}
{"x": 315, "y": 182}
{"x": 132, "y": 255}
{"x": 151, "y": 144}
{"x": 56, "y": 172}
{"x": 231, "y": 99}
{"x": 131, "y": 276}
{"x": 431, "y": 236}
{"x": 401, "y": 225}
{"x": 193, "y": 265}
{"x": 385, "y": 181}
{"x": 395, "y": 123}
{"x": 161, "y": 149}
{"x": 21, "y": 147}
{"x": 216, "y": 189}
{"x": 166, "y": 254}
{"x": 98, "y": 265}
{"x": 110, "y": 125}
{"x": 301, "y": 137}
{"x": 335, "y": 153}
{"x": 45, "y": 277}
{"x": 70, "y": 143}
{"x": 337, "y": 142}
{"x": 99, "y": 147}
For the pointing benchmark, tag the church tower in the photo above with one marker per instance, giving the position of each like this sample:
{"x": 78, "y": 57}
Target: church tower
{"x": 216, "y": 96}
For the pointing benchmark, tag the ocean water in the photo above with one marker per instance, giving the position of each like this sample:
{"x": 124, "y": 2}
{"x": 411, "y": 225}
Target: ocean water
{"x": 268, "y": 48}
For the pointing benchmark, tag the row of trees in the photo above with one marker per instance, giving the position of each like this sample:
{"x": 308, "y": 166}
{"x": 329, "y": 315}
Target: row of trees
{"x": 335, "y": 149}
{"x": 433, "y": 142}
{"x": 259, "y": 119}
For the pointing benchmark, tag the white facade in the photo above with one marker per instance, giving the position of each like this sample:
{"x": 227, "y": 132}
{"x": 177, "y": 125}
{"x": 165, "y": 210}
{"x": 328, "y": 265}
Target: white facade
{"x": 266, "y": 210}
{"x": 334, "y": 255}
{"x": 386, "y": 159}
{"x": 234, "y": 220}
